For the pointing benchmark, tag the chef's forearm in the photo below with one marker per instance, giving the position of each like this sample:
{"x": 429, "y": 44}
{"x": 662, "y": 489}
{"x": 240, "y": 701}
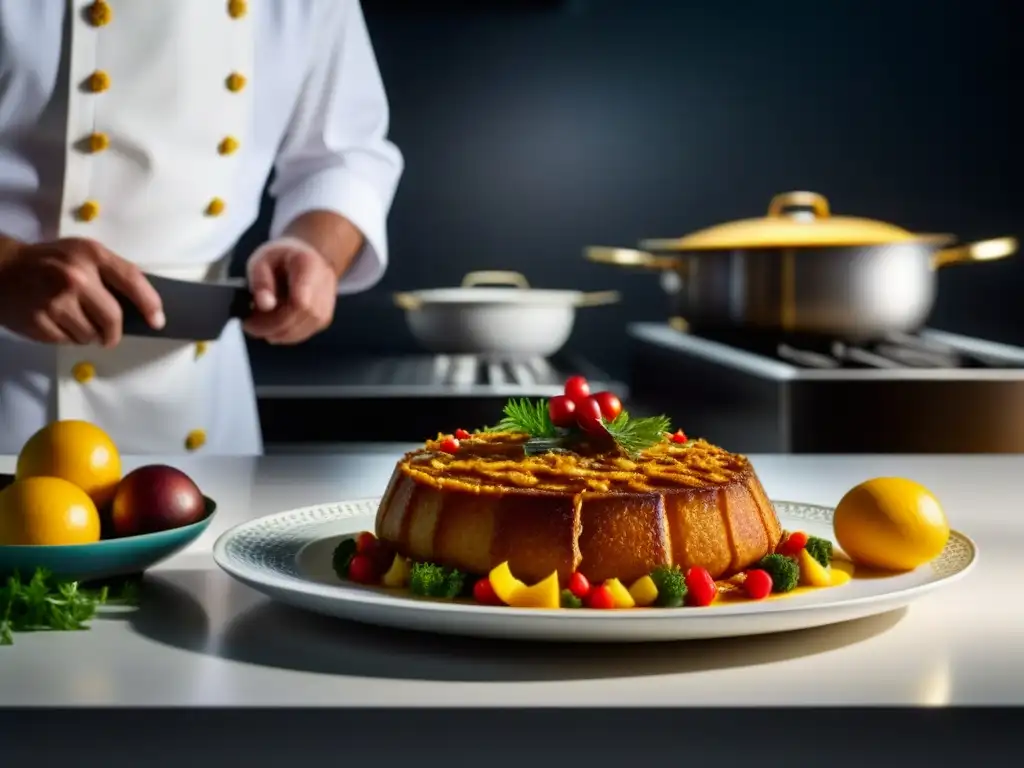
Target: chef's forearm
{"x": 332, "y": 235}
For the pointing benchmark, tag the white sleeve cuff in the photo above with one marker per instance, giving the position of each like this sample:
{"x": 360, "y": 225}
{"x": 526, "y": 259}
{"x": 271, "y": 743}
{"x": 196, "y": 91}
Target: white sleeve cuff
{"x": 339, "y": 191}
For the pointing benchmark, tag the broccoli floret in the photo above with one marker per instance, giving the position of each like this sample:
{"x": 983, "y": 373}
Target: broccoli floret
{"x": 343, "y": 554}
{"x": 784, "y": 571}
{"x": 820, "y": 550}
{"x": 426, "y": 579}
{"x": 455, "y": 582}
{"x": 671, "y": 584}
{"x": 432, "y": 580}
{"x": 569, "y": 600}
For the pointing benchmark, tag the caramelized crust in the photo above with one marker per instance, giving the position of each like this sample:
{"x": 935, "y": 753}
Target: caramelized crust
{"x": 605, "y": 515}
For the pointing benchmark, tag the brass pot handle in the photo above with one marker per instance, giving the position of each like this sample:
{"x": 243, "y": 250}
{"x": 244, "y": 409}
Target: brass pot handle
{"x": 597, "y": 298}
{"x": 628, "y": 257}
{"x": 983, "y": 250}
{"x": 495, "y": 277}
{"x": 781, "y": 204}
{"x": 407, "y": 301}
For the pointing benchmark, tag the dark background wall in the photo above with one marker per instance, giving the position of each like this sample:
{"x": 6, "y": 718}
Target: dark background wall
{"x": 533, "y": 129}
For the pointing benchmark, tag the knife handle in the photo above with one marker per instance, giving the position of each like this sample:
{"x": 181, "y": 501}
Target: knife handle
{"x": 242, "y": 306}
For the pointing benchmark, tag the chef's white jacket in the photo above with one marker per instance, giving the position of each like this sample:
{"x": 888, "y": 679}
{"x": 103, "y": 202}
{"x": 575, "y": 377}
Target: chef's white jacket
{"x": 151, "y": 126}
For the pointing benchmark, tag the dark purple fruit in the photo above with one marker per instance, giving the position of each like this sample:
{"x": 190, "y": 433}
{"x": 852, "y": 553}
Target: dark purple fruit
{"x": 155, "y": 498}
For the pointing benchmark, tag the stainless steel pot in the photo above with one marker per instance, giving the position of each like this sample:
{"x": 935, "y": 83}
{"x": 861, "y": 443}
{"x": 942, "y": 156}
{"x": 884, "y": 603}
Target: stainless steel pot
{"x": 508, "y": 323}
{"x": 802, "y": 270}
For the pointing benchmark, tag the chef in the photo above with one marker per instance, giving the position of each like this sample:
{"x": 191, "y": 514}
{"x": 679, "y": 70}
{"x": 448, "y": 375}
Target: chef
{"x": 136, "y": 136}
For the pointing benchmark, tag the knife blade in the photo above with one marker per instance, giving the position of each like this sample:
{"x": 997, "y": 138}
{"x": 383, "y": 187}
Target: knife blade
{"x": 194, "y": 311}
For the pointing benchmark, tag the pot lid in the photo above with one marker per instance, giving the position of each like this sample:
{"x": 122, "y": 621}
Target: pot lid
{"x": 794, "y": 220}
{"x": 502, "y": 287}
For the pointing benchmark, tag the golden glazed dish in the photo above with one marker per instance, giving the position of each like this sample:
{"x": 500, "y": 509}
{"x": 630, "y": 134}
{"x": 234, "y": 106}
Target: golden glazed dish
{"x": 605, "y": 516}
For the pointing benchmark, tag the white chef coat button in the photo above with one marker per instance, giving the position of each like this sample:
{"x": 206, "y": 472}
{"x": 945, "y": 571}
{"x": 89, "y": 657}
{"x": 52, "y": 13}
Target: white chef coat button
{"x": 99, "y": 13}
{"x": 201, "y": 348}
{"x": 235, "y": 82}
{"x": 237, "y": 8}
{"x": 88, "y": 210}
{"x": 215, "y": 207}
{"x": 195, "y": 440}
{"x": 97, "y": 142}
{"x": 228, "y": 145}
{"x": 98, "y": 81}
{"x": 83, "y": 372}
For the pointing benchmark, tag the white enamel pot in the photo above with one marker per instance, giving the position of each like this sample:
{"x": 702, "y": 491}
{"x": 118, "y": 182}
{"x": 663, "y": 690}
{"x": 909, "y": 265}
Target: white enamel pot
{"x": 496, "y": 314}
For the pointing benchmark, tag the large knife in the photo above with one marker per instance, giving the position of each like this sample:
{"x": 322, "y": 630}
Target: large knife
{"x": 194, "y": 311}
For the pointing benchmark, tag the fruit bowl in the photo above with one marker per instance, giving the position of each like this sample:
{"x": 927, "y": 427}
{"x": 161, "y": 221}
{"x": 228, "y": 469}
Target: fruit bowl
{"x": 103, "y": 559}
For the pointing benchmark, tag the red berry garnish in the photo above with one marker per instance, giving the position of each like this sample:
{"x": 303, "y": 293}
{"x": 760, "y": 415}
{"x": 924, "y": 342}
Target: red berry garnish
{"x": 576, "y": 388}
{"x": 609, "y": 404}
{"x": 461, "y": 434}
{"x": 588, "y": 417}
{"x": 450, "y": 445}
{"x": 361, "y": 570}
{"x": 757, "y": 584}
{"x": 366, "y": 542}
{"x": 600, "y": 597}
{"x": 792, "y": 544}
{"x": 579, "y": 585}
{"x": 679, "y": 436}
{"x": 562, "y": 411}
{"x": 700, "y": 587}
{"x": 483, "y": 592}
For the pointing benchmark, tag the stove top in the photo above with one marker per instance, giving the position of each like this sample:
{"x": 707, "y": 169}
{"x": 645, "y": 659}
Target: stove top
{"x": 928, "y": 354}
{"x": 928, "y": 392}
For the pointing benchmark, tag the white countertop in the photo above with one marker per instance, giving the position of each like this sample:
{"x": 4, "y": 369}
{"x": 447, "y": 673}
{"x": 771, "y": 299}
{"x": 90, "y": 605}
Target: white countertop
{"x": 202, "y": 639}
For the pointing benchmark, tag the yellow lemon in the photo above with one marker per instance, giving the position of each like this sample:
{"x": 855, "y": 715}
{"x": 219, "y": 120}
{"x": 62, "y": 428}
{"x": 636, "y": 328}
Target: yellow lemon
{"x": 891, "y": 523}
{"x": 47, "y": 510}
{"x": 76, "y": 451}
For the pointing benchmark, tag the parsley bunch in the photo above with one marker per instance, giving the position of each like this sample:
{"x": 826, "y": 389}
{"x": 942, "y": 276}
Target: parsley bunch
{"x": 45, "y": 603}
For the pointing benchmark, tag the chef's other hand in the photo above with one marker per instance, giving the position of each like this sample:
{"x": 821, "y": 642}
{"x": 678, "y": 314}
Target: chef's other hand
{"x": 56, "y": 292}
{"x": 294, "y": 289}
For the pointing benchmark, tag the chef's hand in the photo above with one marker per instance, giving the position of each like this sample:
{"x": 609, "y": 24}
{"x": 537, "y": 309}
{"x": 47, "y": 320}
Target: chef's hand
{"x": 56, "y": 292}
{"x": 294, "y": 289}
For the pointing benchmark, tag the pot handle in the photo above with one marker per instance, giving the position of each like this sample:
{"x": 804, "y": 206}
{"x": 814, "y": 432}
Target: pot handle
{"x": 628, "y": 257}
{"x": 495, "y": 277}
{"x": 983, "y": 250}
{"x": 780, "y": 205}
{"x": 407, "y": 301}
{"x": 597, "y": 298}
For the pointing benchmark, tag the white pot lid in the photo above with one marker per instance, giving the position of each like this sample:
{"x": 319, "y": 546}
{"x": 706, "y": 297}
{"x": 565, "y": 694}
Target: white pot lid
{"x": 505, "y": 288}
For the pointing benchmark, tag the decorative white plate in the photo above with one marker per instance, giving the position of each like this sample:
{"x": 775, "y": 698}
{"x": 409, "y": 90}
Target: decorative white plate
{"x": 288, "y": 557}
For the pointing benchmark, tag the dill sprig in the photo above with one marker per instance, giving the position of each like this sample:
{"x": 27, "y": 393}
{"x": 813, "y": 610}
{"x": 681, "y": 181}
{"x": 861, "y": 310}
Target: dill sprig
{"x": 529, "y": 418}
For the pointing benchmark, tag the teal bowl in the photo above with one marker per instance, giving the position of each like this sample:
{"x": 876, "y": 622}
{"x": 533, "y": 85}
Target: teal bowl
{"x": 106, "y": 559}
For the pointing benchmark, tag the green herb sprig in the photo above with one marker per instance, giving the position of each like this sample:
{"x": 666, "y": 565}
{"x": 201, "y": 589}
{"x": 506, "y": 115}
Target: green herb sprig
{"x": 45, "y": 603}
{"x": 532, "y": 418}
{"x": 636, "y": 435}
{"x": 528, "y": 417}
